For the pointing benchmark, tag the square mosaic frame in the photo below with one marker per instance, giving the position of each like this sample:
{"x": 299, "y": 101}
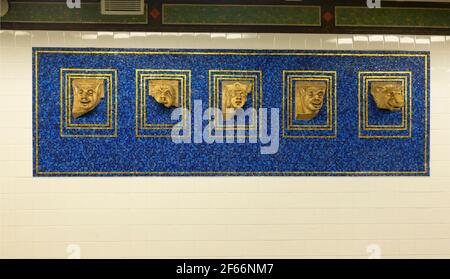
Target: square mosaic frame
{"x": 292, "y": 130}
{"x": 214, "y": 95}
{"x": 367, "y": 130}
{"x": 69, "y": 129}
{"x": 149, "y": 130}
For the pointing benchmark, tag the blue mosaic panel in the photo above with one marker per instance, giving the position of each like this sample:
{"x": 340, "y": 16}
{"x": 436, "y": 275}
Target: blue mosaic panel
{"x": 129, "y": 133}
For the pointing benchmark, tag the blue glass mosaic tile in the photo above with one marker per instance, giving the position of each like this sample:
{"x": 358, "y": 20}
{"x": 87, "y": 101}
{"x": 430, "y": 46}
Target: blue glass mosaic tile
{"x": 121, "y": 136}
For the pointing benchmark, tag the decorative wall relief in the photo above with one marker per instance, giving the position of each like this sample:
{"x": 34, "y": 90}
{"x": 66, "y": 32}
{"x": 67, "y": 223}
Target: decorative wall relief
{"x": 234, "y": 96}
{"x": 87, "y": 102}
{"x": 229, "y": 112}
{"x": 87, "y": 94}
{"x": 388, "y": 95}
{"x": 385, "y": 104}
{"x": 158, "y": 93}
{"x": 310, "y": 104}
{"x": 309, "y": 99}
{"x": 230, "y": 93}
{"x": 165, "y": 91}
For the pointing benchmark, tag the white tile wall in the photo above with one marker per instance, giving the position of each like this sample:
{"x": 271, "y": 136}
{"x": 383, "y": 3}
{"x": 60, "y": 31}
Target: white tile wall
{"x": 217, "y": 217}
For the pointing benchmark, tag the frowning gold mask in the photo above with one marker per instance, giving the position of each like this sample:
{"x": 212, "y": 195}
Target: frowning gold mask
{"x": 165, "y": 92}
{"x": 87, "y": 94}
{"x": 234, "y": 96}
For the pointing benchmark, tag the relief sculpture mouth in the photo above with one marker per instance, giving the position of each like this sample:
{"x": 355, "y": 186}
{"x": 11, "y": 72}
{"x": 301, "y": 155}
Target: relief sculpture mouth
{"x": 395, "y": 105}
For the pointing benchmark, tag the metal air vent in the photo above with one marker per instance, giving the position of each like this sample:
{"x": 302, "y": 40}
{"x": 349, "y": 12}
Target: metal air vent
{"x": 122, "y": 7}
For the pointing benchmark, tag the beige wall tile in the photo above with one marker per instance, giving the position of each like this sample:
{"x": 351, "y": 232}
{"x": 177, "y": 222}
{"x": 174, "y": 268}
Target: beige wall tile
{"x": 245, "y": 217}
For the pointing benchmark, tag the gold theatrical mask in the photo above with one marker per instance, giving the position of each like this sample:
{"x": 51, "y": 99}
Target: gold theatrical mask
{"x": 388, "y": 95}
{"x": 234, "y": 96}
{"x": 165, "y": 92}
{"x": 87, "y": 94}
{"x": 309, "y": 97}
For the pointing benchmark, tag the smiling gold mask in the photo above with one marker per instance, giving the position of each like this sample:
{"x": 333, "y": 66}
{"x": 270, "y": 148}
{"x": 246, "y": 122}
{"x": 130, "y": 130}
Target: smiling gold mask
{"x": 388, "y": 95}
{"x": 309, "y": 97}
{"x": 87, "y": 94}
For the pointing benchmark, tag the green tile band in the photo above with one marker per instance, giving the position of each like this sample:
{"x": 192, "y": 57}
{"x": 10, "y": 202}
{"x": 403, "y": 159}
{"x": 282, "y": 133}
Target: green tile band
{"x": 393, "y": 17}
{"x": 202, "y": 14}
{"x": 52, "y": 12}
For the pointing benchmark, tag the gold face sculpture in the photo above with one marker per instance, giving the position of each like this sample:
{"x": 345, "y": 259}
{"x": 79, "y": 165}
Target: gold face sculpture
{"x": 388, "y": 95}
{"x": 165, "y": 92}
{"x": 87, "y": 94}
{"x": 234, "y": 96}
{"x": 309, "y": 97}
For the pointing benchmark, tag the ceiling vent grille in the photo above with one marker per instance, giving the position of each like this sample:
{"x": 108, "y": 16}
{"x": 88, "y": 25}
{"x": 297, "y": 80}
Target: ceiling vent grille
{"x": 122, "y": 7}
